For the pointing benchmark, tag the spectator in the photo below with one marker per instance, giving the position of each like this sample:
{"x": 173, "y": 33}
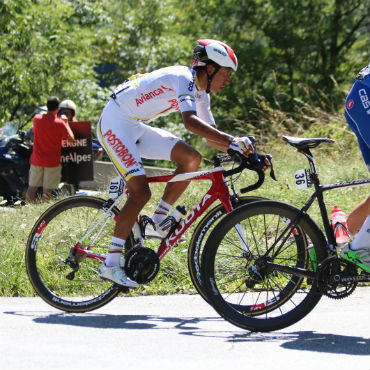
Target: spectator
{"x": 48, "y": 130}
{"x": 68, "y": 108}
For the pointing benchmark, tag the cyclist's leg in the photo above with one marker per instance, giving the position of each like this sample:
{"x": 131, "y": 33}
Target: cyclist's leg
{"x": 138, "y": 195}
{"x": 358, "y": 215}
{"x": 160, "y": 144}
{"x": 118, "y": 134}
{"x": 188, "y": 160}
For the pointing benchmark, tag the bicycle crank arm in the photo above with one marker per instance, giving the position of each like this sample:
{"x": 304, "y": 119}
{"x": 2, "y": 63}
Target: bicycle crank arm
{"x": 352, "y": 279}
{"x": 296, "y": 271}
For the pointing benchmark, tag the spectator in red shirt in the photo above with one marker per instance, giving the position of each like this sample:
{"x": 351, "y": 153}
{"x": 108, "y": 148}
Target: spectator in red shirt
{"x": 49, "y": 131}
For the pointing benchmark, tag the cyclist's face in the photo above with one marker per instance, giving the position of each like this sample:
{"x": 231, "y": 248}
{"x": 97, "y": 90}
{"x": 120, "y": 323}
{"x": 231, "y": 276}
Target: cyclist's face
{"x": 221, "y": 79}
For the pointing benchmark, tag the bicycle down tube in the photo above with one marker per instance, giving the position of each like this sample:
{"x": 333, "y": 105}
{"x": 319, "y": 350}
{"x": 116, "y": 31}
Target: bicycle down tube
{"x": 218, "y": 190}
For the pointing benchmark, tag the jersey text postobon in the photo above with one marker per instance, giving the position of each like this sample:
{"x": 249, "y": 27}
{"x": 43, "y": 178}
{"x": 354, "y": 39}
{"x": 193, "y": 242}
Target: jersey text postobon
{"x": 117, "y": 145}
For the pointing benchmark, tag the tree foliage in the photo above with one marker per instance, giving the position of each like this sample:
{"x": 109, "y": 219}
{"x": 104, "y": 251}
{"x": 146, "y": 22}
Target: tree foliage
{"x": 81, "y": 49}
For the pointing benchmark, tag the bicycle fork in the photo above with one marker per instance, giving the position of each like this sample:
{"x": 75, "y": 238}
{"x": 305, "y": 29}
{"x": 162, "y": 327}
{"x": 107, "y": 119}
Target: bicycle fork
{"x": 243, "y": 241}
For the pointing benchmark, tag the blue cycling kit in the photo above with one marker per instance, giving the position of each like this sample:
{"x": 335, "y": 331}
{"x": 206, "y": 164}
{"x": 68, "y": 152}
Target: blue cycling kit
{"x": 357, "y": 112}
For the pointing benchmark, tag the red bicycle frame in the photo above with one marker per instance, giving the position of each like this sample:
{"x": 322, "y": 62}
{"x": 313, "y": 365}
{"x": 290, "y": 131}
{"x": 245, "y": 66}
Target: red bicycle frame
{"x": 218, "y": 190}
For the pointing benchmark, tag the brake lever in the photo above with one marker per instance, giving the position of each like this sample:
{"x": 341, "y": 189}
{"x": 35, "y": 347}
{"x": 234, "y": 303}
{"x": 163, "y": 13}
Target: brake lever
{"x": 272, "y": 172}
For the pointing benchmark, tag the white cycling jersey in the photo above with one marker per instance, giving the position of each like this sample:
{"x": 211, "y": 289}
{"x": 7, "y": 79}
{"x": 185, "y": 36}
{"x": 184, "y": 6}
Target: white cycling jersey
{"x": 145, "y": 97}
{"x": 123, "y": 129}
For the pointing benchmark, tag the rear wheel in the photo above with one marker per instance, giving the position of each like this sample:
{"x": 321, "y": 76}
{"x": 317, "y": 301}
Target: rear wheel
{"x": 64, "y": 279}
{"x": 240, "y": 283}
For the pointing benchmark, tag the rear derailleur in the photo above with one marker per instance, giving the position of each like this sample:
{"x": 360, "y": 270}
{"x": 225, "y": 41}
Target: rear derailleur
{"x": 73, "y": 261}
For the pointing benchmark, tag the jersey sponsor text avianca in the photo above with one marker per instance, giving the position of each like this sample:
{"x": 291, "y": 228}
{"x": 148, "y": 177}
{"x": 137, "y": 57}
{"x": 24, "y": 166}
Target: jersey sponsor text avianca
{"x": 145, "y": 97}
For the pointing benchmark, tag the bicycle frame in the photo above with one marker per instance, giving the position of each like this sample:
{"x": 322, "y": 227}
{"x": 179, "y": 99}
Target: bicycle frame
{"x": 320, "y": 189}
{"x": 217, "y": 191}
{"x": 318, "y": 194}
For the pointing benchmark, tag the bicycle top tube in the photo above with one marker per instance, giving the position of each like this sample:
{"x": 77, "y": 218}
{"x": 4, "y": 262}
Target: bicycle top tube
{"x": 188, "y": 176}
{"x": 250, "y": 163}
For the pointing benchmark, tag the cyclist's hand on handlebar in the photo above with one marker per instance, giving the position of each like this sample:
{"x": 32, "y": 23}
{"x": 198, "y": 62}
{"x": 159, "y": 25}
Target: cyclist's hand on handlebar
{"x": 242, "y": 145}
{"x": 267, "y": 164}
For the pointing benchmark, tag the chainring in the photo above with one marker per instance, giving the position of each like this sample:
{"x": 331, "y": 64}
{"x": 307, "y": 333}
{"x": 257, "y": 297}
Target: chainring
{"x": 141, "y": 264}
{"x": 337, "y": 277}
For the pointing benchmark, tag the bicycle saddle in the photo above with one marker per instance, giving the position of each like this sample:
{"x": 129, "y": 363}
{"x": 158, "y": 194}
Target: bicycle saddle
{"x": 302, "y": 142}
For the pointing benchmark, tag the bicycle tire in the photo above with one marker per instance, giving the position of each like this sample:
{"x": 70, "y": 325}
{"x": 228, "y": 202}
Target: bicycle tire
{"x": 278, "y": 299}
{"x": 203, "y": 229}
{"x": 49, "y": 244}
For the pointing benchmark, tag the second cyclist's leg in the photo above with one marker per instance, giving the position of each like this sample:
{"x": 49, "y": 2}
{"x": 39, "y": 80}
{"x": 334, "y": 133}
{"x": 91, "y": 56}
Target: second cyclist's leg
{"x": 358, "y": 216}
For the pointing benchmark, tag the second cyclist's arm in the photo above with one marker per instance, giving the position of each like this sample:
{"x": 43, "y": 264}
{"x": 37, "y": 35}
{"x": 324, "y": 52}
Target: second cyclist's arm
{"x": 216, "y": 138}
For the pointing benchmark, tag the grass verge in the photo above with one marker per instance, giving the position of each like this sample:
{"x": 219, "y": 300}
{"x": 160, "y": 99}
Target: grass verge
{"x": 336, "y": 163}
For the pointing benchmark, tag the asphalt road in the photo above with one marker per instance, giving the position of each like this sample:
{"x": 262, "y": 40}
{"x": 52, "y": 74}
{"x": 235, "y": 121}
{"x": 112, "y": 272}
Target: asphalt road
{"x": 180, "y": 332}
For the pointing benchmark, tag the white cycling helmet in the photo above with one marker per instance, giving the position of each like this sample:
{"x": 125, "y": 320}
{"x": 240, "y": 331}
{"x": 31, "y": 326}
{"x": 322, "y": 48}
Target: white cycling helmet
{"x": 68, "y": 104}
{"x": 213, "y": 51}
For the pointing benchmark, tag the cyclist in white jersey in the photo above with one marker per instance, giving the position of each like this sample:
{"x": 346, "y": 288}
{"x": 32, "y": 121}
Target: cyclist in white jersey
{"x": 124, "y": 133}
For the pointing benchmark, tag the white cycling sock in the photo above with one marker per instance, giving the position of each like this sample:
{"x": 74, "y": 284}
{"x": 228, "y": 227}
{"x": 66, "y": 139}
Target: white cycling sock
{"x": 362, "y": 239}
{"x": 115, "y": 251}
{"x": 161, "y": 212}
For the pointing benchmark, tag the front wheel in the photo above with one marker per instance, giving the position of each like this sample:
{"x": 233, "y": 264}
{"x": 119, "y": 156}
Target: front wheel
{"x": 239, "y": 281}
{"x": 64, "y": 279}
{"x": 202, "y": 231}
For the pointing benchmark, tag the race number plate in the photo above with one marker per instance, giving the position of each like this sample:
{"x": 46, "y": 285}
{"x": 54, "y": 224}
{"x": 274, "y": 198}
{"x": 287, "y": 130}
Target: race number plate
{"x": 116, "y": 187}
{"x": 302, "y": 179}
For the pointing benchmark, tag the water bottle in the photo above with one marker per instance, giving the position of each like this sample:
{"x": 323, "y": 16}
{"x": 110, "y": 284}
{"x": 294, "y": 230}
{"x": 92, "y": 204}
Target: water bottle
{"x": 339, "y": 223}
{"x": 173, "y": 218}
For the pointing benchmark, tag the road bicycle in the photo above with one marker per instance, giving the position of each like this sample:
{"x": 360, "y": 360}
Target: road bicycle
{"x": 272, "y": 270}
{"x": 70, "y": 240}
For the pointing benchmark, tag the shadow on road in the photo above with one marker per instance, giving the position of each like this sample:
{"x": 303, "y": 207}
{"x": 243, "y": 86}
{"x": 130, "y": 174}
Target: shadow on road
{"x": 300, "y": 340}
{"x": 313, "y": 341}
